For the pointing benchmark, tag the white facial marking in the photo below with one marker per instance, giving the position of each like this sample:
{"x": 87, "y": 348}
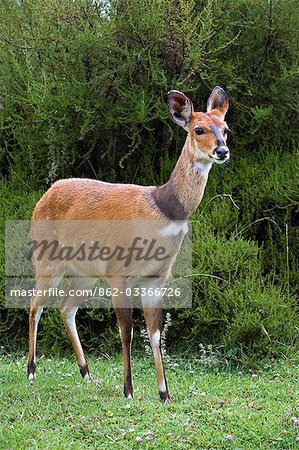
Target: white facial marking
{"x": 221, "y": 161}
{"x": 129, "y": 396}
{"x": 174, "y": 228}
{"x": 87, "y": 377}
{"x": 200, "y": 155}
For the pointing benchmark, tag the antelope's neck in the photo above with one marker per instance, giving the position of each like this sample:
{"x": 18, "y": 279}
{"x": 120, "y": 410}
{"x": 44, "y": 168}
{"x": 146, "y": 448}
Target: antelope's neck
{"x": 181, "y": 195}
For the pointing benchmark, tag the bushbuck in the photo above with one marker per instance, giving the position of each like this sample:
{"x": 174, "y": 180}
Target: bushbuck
{"x": 167, "y": 207}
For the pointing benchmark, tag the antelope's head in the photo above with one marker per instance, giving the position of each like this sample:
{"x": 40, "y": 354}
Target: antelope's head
{"x": 207, "y": 131}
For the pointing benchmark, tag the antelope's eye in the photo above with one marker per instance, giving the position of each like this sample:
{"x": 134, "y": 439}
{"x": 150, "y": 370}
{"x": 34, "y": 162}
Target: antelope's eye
{"x": 199, "y": 130}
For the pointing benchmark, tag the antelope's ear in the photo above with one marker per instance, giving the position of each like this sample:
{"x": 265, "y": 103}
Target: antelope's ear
{"x": 218, "y": 100}
{"x": 180, "y": 108}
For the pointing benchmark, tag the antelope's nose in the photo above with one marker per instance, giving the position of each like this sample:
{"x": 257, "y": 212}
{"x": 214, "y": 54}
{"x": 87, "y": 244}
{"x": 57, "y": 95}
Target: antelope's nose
{"x": 222, "y": 152}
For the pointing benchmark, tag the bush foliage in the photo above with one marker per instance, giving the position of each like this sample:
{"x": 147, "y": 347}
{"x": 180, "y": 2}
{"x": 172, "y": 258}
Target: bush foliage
{"x": 84, "y": 83}
{"x": 83, "y": 88}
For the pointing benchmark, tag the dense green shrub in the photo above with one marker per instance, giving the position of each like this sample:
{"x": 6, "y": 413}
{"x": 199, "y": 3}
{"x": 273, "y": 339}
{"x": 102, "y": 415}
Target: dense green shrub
{"x": 84, "y": 84}
{"x": 243, "y": 289}
{"x": 245, "y": 276}
{"x": 83, "y": 89}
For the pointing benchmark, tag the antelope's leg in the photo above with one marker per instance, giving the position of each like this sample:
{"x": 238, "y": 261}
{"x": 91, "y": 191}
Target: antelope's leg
{"x": 123, "y": 311}
{"x": 124, "y": 320}
{"x": 154, "y": 323}
{"x": 69, "y": 307}
{"x": 69, "y": 317}
{"x": 36, "y": 309}
{"x": 34, "y": 316}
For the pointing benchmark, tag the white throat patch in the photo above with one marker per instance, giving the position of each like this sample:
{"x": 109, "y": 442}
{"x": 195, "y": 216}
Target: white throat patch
{"x": 202, "y": 168}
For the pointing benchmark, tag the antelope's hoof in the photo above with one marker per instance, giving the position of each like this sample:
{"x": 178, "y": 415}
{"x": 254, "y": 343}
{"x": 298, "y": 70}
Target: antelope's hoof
{"x": 87, "y": 378}
{"x": 31, "y": 377}
{"x": 165, "y": 397}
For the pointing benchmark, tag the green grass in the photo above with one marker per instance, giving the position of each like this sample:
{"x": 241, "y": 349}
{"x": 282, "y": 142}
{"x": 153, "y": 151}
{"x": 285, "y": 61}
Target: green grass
{"x": 63, "y": 412}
